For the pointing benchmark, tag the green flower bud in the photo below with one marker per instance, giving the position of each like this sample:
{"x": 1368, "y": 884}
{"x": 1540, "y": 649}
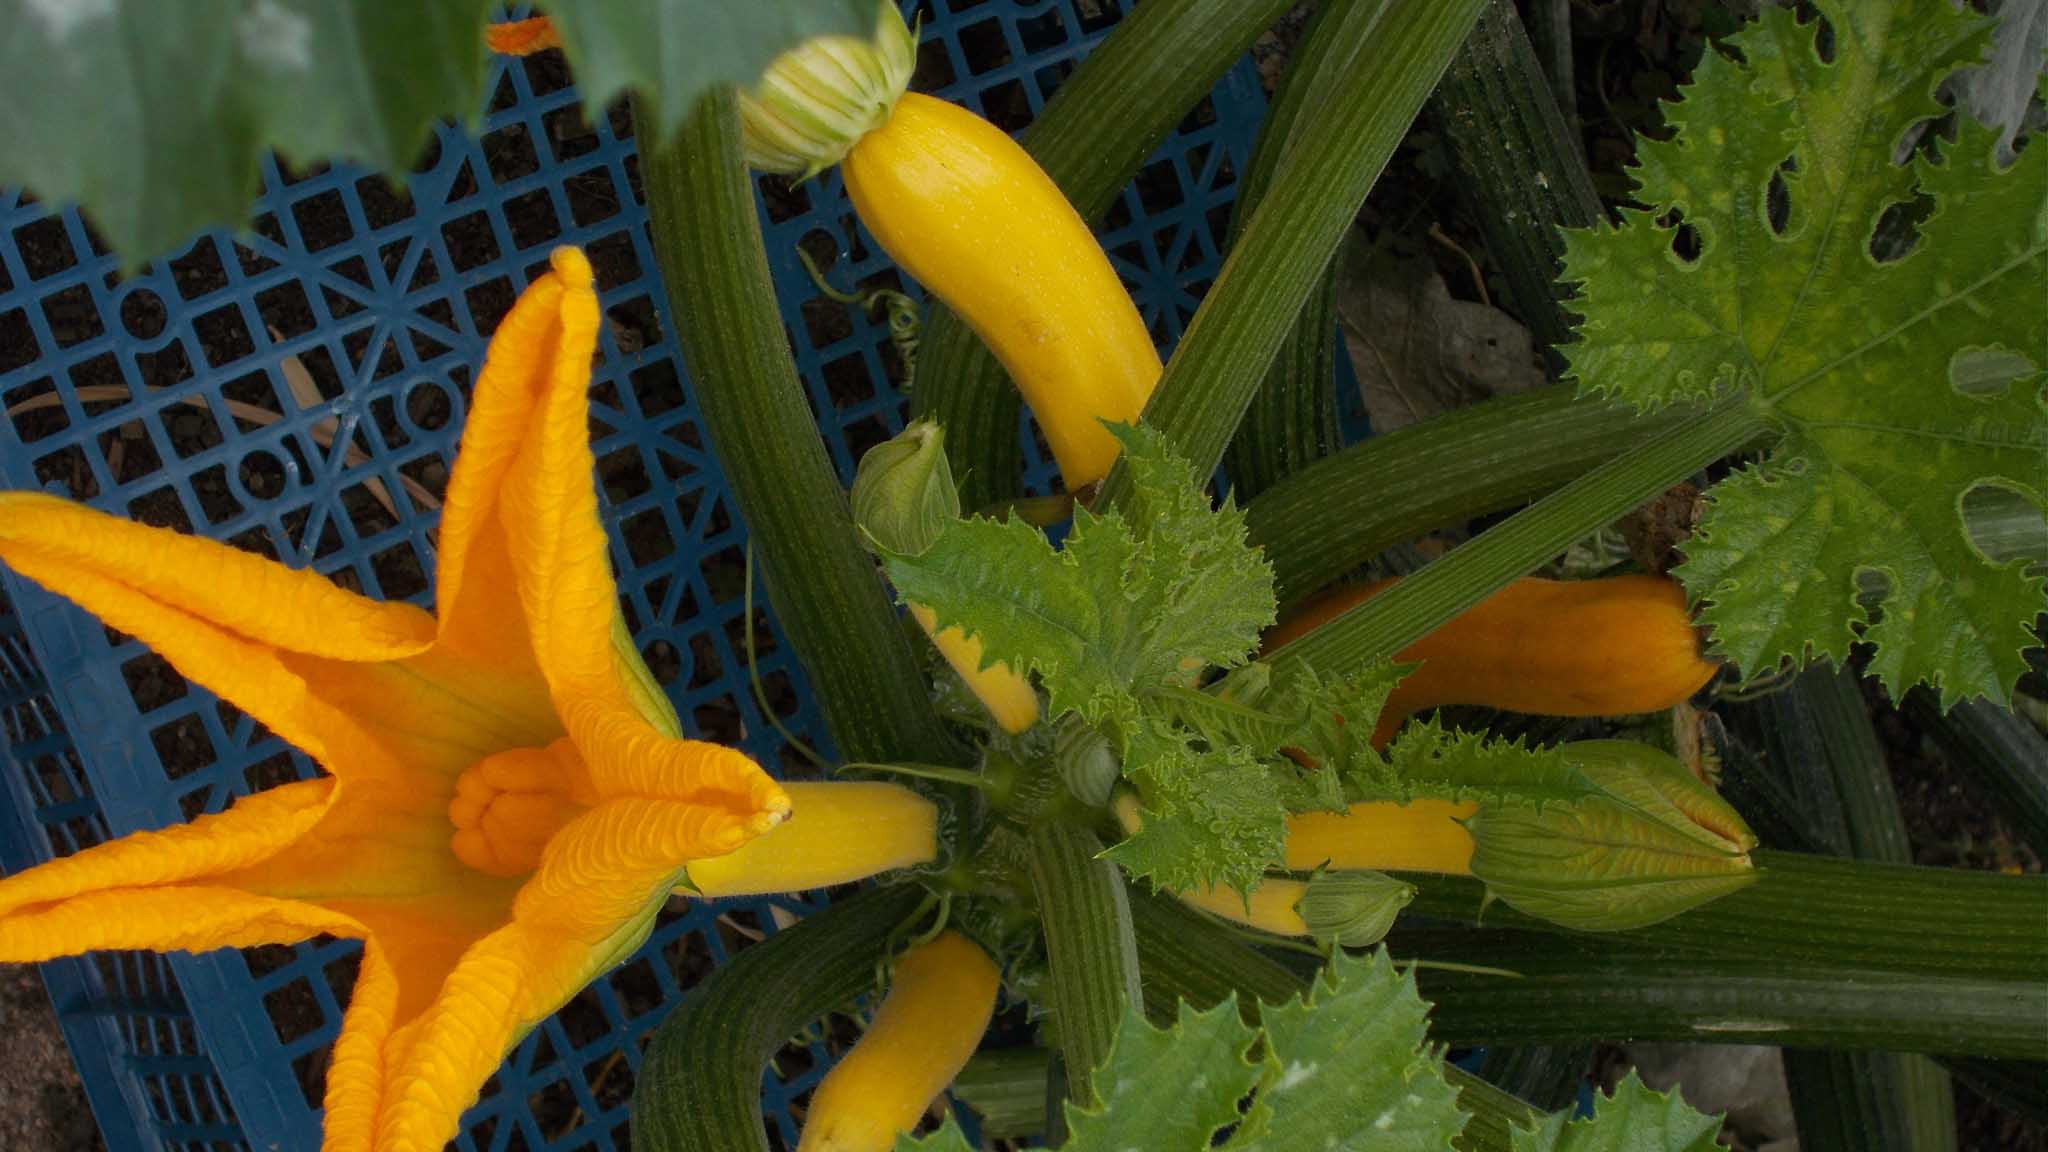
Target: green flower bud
{"x": 1352, "y": 909}
{"x": 1086, "y": 764}
{"x": 820, "y": 97}
{"x": 903, "y": 493}
{"x": 1656, "y": 844}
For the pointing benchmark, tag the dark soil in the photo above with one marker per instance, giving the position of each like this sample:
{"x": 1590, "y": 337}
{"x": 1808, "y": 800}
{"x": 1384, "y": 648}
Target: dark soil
{"x": 42, "y": 1103}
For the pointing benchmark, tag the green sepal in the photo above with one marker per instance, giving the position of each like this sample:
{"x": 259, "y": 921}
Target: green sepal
{"x": 1655, "y": 843}
{"x": 903, "y": 491}
{"x": 1352, "y": 909}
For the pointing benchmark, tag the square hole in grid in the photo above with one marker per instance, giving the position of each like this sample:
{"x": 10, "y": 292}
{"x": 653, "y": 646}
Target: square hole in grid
{"x": 67, "y": 471}
{"x": 634, "y": 322}
{"x": 18, "y": 345}
{"x": 470, "y": 241}
{"x": 35, "y": 409}
{"x": 984, "y": 46}
{"x": 567, "y": 134}
{"x": 489, "y": 302}
{"x": 199, "y": 271}
{"x": 285, "y": 310}
{"x": 45, "y": 247}
{"x": 509, "y": 152}
{"x": 152, "y": 682}
{"x": 623, "y": 474}
{"x": 223, "y": 335}
{"x": 72, "y": 316}
{"x": 218, "y": 503}
{"x": 190, "y": 428}
{"x": 323, "y": 220}
{"x": 648, "y": 538}
{"x": 1007, "y": 105}
{"x": 530, "y": 217}
{"x": 295, "y": 1010}
{"x": 384, "y": 203}
{"x": 593, "y": 196}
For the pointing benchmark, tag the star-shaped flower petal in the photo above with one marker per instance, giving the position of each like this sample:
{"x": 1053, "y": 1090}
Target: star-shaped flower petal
{"x": 507, "y": 802}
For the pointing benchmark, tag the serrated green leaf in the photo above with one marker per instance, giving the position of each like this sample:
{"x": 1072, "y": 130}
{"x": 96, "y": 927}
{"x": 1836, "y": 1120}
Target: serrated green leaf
{"x": 1428, "y": 761}
{"x": 1346, "y": 1069}
{"x": 1126, "y": 605}
{"x": 1633, "y": 1119}
{"x": 1211, "y": 815}
{"x": 1171, "y": 1088}
{"x": 184, "y": 99}
{"x": 1874, "y": 371}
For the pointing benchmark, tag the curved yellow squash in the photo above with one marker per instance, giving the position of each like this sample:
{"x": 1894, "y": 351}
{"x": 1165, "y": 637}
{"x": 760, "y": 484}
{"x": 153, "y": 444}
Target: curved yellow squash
{"x": 941, "y": 996}
{"x": 966, "y": 211}
{"x": 1007, "y": 695}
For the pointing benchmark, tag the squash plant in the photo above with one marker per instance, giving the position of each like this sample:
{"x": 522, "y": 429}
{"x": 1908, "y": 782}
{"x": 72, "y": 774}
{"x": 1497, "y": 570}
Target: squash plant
{"x": 1194, "y": 844}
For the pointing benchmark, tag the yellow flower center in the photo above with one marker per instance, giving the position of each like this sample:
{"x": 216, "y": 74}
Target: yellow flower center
{"x": 508, "y": 805}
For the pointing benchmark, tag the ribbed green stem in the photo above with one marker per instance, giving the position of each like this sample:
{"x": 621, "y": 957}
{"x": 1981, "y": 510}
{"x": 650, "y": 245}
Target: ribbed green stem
{"x": 1101, "y": 125}
{"x": 823, "y": 586}
{"x": 1085, "y": 912}
{"x": 1550, "y": 31}
{"x": 1006, "y": 1087}
{"x": 1587, "y": 989}
{"x": 1340, "y": 512}
{"x": 1819, "y": 914}
{"x": 2000, "y": 751}
{"x": 1292, "y": 419}
{"x": 1188, "y": 956}
{"x": 1520, "y": 173}
{"x": 1818, "y": 737}
{"x": 699, "y": 1088}
{"x": 1819, "y": 953}
{"x": 1409, "y": 610}
{"x": 1275, "y": 266}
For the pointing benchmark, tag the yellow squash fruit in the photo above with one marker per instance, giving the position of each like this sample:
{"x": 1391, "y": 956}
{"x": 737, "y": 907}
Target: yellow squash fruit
{"x": 966, "y": 211}
{"x": 941, "y": 996}
{"x": 1608, "y": 647}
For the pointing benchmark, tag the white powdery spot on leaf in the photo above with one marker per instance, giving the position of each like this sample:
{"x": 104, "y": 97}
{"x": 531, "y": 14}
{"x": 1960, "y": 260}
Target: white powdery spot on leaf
{"x": 275, "y": 35}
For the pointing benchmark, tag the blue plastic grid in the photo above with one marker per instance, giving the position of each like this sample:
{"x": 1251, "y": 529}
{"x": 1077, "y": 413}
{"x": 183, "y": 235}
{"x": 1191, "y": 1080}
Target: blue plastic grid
{"x": 299, "y": 390}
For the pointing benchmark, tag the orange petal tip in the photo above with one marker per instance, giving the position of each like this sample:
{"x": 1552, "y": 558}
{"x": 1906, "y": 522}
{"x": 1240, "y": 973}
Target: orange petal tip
{"x": 572, "y": 266}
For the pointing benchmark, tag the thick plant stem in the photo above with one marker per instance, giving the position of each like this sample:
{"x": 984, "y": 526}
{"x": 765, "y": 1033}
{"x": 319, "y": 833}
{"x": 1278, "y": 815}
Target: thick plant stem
{"x": 1086, "y": 915}
{"x": 1384, "y": 625}
{"x": 1340, "y": 512}
{"x": 1817, "y": 737}
{"x": 1190, "y": 957}
{"x": 1522, "y": 177}
{"x": 1818, "y": 953}
{"x": 823, "y": 586}
{"x": 2001, "y": 751}
{"x": 700, "y": 1086}
{"x": 1103, "y": 123}
{"x": 1292, "y": 419}
{"x": 1295, "y": 231}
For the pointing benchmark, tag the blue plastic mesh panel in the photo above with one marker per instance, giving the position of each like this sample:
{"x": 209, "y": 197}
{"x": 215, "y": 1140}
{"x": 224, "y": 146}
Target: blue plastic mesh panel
{"x": 298, "y": 391}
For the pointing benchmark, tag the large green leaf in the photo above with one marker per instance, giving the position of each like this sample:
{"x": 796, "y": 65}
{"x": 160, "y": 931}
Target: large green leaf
{"x": 1343, "y": 1070}
{"x": 1900, "y": 381}
{"x": 155, "y": 114}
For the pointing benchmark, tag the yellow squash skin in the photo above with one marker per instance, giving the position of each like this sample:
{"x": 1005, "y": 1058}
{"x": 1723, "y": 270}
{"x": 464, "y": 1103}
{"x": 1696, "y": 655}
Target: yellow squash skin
{"x": 1419, "y": 836}
{"x": 940, "y": 998}
{"x": 1008, "y": 696}
{"x": 1608, "y": 647}
{"x": 837, "y": 832}
{"x": 966, "y": 211}
{"x": 1271, "y": 907}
